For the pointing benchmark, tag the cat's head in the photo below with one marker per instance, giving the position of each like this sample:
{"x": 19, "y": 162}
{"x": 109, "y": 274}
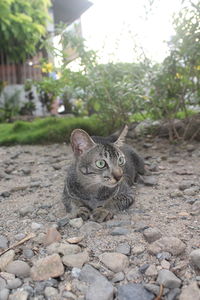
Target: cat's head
{"x": 98, "y": 163}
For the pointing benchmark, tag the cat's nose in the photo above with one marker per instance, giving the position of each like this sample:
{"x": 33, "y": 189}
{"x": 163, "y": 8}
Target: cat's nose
{"x": 117, "y": 174}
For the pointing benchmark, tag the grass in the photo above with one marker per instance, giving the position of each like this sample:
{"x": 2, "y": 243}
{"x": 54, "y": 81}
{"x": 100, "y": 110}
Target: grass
{"x": 48, "y": 130}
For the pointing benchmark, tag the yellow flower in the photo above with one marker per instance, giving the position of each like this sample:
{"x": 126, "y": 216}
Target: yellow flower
{"x": 197, "y": 68}
{"x": 178, "y": 75}
{"x": 47, "y": 67}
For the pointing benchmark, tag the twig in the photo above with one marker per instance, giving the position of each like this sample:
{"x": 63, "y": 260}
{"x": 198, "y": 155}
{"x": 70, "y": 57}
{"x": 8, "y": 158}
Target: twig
{"x": 159, "y": 297}
{"x": 28, "y": 237}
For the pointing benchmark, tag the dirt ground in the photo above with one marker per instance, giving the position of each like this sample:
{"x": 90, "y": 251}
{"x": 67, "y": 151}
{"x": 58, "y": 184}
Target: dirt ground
{"x": 31, "y": 184}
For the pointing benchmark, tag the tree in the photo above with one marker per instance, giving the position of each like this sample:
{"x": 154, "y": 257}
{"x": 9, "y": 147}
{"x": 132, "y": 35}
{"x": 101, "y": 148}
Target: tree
{"x": 22, "y": 27}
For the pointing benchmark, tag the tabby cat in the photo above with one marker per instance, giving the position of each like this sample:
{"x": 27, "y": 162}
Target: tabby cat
{"x": 99, "y": 181}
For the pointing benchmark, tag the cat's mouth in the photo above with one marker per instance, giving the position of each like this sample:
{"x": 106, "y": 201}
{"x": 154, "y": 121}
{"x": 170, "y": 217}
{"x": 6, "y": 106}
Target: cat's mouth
{"x": 111, "y": 181}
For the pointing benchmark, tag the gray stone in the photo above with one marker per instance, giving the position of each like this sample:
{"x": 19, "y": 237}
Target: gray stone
{"x": 149, "y": 180}
{"x": 119, "y": 231}
{"x": 195, "y": 257}
{"x": 89, "y": 274}
{"x": 190, "y": 292}
{"x": 172, "y": 245}
{"x": 28, "y": 253}
{"x": 90, "y": 227}
{"x": 155, "y": 289}
{"x": 100, "y": 290}
{"x": 133, "y": 275}
{"x": 118, "y": 277}
{"x": 117, "y": 223}
{"x": 151, "y": 271}
{"x": 168, "y": 279}
{"x": 185, "y": 185}
{"x": 14, "y": 284}
{"x": 3, "y": 242}
{"x": 6, "y": 258}
{"x": 2, "y": 283}
{"x": 19, "y": 236}
{"x": 152, "y": 234}
{"x": 19, "y": 295}
{"x": 195, "y": 210}
{"x": 4, "y": 294}
{"x": 116, "y": 262}
{"x": 69, "y": 296}
{"x": 173, "y": 294}
{"x": 50, "y": 292}
{"x": 76, "y": 223}
{"x": 62, "y": 248}
{"x": 76, "y": 260}
{"x": 134, "y": 291}
{"x": 123, "y": 248}
{"x": 36, "y": 226}
{"x": 163, "y": 255}
{"x": 24, "y": 211}
{"x": 18, "y": 268}
{"x": 191, "y": 191}
{"x": 75, "y": 272}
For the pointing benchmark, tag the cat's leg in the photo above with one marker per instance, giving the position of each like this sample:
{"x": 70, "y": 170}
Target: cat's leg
{"x": 121, "y": 201}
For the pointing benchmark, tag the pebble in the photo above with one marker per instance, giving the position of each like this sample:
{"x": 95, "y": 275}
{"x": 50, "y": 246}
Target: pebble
{"x": 163, "y": 255}
{"x": 100, "y": 287}
{"x": 90, "y": 227}
{"x": 195, "y": 211}
{"x": 4, "y": 294}
{"x": 118, "y": 223}
{"x": 5, "y": 194}
{"x": 63, "y": 221}
{"x": 155, "y": 289}
{"x": 62, "y": 248}
{"x": 50, "y": 292}
{"x": 175, "y": 194}
{"x": 75, "y": 272}
{"x": 149, "y": 180}
{"x": 165, "y": 264}
{"x": 151, "y": 271}
{"x": 76, "y": 223}
{"x": 173, "y": 294}
{"x": 19, "y": 295}
{"x": 172, "y": 245}
{"x": 18, "y": 268}
{"x": 36, "y": 226}
{"x": 138, "y": 249}
{"x": 133, "y": 275}
{"x": 6, "y": 258}
{"x": 76, "y": 260}
{"x": 116, "y": 262}
{"x": 19, "y": 236}
{"x": 118, "y": 277}
{"x": 2, "y": 283}
{"x": 191, "y": 191}
{"x": 119, "y": 231}
{"x": 123, "y": 248}
{"x": 3, "y": 242}
{"x": 24, "y": 211}
{"x": 135, "y": 291}
{"x": 152, "y": 234}
{"x": 190, "y": 292}
{"x": 28, "y": 253}
{"x": 69, "y": 296}
{"x": 168, "y": 279}
{"x": 52, "y": 236}
{"x": 143, "y": 268}
{"x": 44, "y": 268}
{"x": 195, "y": 258}
{"x": 184, "y": 186}
{"x": 14, "y": 283}
{"x": 75, "y": 240}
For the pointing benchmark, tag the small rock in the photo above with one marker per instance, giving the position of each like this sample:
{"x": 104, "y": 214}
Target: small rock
{"x": 50, "y": 292}
{"x": 149, "y": 180}
{"x": 44, "y": 268}
{"x": 4, "y": 294}
{"x": 18, "y": 268}
{"x": 5, "y": 194}
{"x": 7, "y": 276}
{"x": 135, "y": 291}
{"x": 116, "y": 262}
{"x": 90, "y": 227}
{"x": 133, "y": 275}
{"x": 24, "y": 211}
{"x": 62, "y": 222}
{"x": 118, "y": 223}
{"x": 195, "y": 211}
{"x": 19, "y": 236}
{"x": 64, "y": 249}
{"x": 6, "y": 258}
{"x": 19, "y": 295}
{"x": 76, "y": 223}
{"x": 118, "y": 277}
{"x": 190, "y": 292}
{"x": 175, "y": 194}
{"x": 75, "y": 240}
{"x": 69, "y": 296}
{"x": 172, "y": 245}
{"x": 36, "y": 226}
{"x": 3, "y": 242}
{"x": 151, "y": 271}
{"x": 138, "y": 249}
{"x": 76, "y": 260}
{"x": 184, "y": 186}
{"x": 89, "y": 274}
{"x": 155, "y": 289}
{"x": 52, "y": 236}
{"x": 152, "y": 234}
{"x": 119, "y": 231}
{"x": 173, "y": 294}
{"x": 195, "y": 257}
{"x": 26, "y": 171}
{"x": 28, "y": 253}
{"x": 191, "y": 191}
{"x": 168, "y": 279}
{"x": 14, "y": 284}
{"x": 123, "y": 248}
{"x": 75, "y": 272}
{"x": 165, "y": 264}
{"x": 2, "y": 283}
{"x": 143, "y": 268}
{"x": 163, "y": 255}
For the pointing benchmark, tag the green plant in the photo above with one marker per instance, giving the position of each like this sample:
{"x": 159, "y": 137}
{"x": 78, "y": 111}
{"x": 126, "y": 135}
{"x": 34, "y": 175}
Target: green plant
{"x": 9, "y": 107}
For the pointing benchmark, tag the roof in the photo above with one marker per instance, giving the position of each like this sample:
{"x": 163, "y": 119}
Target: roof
{"x": 67, "y": 11}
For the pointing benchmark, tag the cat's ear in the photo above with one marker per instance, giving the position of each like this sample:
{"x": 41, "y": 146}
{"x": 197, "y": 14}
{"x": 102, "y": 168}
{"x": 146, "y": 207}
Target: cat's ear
{"x": 121, "y": 139}
{"x": 80, "y": 141}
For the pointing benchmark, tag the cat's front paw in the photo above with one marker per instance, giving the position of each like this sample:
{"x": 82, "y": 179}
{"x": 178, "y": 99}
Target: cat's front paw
{"x": 83, "y": 213}
{"x": 101, "y": 214}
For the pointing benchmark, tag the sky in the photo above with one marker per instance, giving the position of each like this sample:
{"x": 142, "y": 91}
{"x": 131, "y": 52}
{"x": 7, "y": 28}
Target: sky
{"x": 121, "y": 30}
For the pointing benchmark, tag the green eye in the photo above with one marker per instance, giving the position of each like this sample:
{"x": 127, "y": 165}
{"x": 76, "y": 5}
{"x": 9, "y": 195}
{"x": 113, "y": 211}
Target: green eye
{"x": 121, "y": 160}
{"x": 100, "y": 164}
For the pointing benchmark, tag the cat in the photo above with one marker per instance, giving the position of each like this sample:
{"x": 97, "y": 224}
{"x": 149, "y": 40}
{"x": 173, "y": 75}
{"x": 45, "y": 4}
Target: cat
{"x": 99, "y": 181}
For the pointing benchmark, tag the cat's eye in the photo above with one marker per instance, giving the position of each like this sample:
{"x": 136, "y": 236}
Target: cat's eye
{"x": 100, "y": 163}
{"x": 121, "y": 160}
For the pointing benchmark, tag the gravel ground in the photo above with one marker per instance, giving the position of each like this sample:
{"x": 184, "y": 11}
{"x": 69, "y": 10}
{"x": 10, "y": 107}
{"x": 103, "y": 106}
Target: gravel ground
{"x": 151, "y": 251}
